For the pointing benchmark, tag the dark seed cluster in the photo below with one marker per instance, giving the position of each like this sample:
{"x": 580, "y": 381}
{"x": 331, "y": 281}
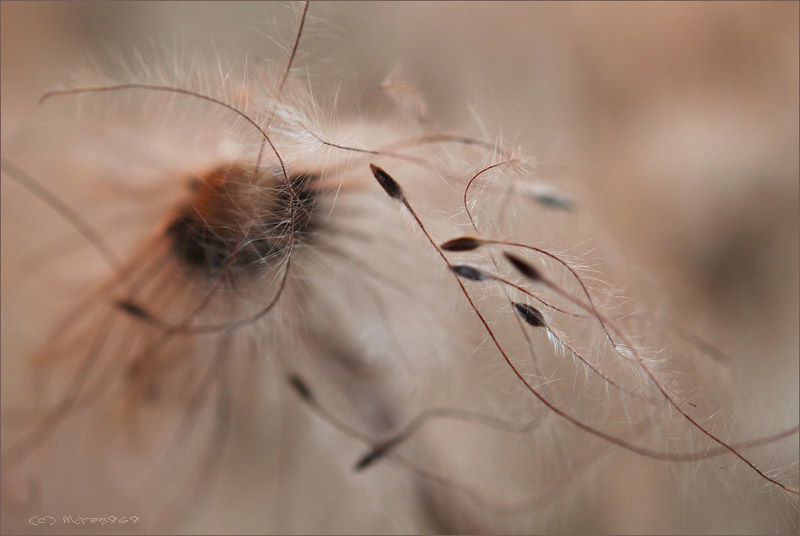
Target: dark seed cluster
{"x": 239, "y": 219}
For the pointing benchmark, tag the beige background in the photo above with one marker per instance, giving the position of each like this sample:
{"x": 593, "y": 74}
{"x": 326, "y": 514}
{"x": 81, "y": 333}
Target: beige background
{"x": 675, "y": 123}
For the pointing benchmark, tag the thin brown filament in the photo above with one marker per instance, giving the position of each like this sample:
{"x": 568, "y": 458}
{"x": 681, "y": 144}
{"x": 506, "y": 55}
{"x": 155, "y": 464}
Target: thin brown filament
{"x": 185, "y": 327}
{"x": 410, "y": 465}
{"x": 692, "y": 338}
{"x": 170, "y": 89}
{"x": 294, "y": 48}
{"x": 472, "y": 180}
{"x": 576, "y": 422}
{"x": 246, "y": 321}
{"x": 373, "y": 152}
{"x": 521, "y": 327}
{"x": 427, "y": 139}
{"x": 80, "y": 310}
{"x": 456, "y": 414}
{"x": 72, "y": 395}
{"x": 285, "y": 77}
{"x": 103, "y": 383}
{"x": 648, "y": 371}
{"x": 569, "y": 347}
{"x": 520, "y": 428}
{"x": 71, "y": 401}
{"x": 417, "y": 141}
{"x": 64, "y": 210}
{"x": 194, "y": 94}
{"x": 556, "y": 288}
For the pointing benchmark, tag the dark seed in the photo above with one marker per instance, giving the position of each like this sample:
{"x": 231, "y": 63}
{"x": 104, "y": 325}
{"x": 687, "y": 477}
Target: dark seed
{"x": 530, "y": 314}
{"x": 468, "y": 272}
{"x": 387, "y": 182}
{"x": 302, "y": 389}
{"x": 523, "y": 267}
{"x": 465, "y": 243}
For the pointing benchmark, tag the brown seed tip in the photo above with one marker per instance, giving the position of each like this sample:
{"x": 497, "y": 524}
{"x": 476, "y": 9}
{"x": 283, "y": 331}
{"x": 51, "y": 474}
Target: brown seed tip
{"x": 301, "y": 388}
{"x": 530, "y": 314}
{"x": 135, "y": 310}
{"x": 372, "y": 456}
{"x": 469, "y": 272}
{"x": 523, "y": 267}
{"x": 387, "y": 182}
{"x": 464, "y": 243}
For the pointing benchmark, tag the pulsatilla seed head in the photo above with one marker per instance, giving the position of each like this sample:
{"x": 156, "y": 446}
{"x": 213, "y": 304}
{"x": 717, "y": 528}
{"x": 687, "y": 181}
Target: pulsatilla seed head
{"x": 240, "y": 218}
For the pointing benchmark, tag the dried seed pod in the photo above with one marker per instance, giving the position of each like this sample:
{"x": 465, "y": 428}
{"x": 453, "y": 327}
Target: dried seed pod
{"x": 464, "y": 243}
{"x": 530, "y": 314}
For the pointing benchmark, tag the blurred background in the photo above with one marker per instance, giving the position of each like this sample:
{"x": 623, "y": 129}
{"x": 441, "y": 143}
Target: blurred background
{"x": 674, "y": 124}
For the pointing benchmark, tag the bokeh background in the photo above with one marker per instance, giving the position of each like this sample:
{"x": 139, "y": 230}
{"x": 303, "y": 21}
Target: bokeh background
{"x": 675, "y": 124}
